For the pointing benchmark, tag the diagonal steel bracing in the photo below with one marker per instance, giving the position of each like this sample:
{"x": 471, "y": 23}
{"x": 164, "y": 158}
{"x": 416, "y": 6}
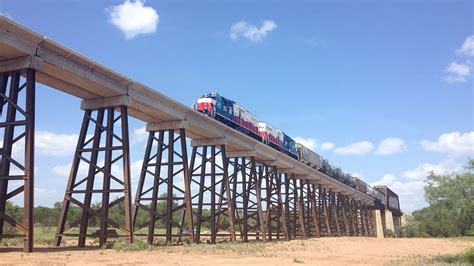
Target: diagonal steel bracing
{"x": 162, "y": 194}
{"x": 246, "y": 197}
{"x": 310, "y": 212}
{"x": 291, "y": 207}
{"x": 17, "y": 125}
{"x": 107, "y": 163}
{"x": 272, "y": 202}
{"x": 210, "y": 193}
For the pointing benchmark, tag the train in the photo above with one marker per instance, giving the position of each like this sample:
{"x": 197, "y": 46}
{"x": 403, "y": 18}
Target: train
{"x": 234, "y": 115}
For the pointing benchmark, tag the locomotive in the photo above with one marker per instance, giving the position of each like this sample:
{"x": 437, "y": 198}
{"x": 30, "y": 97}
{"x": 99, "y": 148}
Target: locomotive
{"x": 232, "y": 114}
{"x": 237, "y": 117}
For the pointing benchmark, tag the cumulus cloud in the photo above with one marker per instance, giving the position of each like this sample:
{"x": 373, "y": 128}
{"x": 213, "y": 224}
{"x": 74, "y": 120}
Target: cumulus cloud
{"x": 357, "y": 148}
{"x": 410, "y": 185}
{"x": 250, "y": 31}
{"x": 139, "y": 134}
{"x": 387, "y": 180}
{"x": 133, "y": 18}
{"x": 422, "y": 171}
{"x": 327, "y": 146}
{"x": 309, "y": 143}
{"x": 467, "y": 47}
{"x": 53, "y": 144}
{"x": 454, "y": 144}
{"x": 391, "y": 146}
{"x": 458, "y": 72}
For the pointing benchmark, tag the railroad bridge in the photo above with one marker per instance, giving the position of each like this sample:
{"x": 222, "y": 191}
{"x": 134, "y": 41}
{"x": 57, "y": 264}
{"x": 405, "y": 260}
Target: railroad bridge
{"x": 223, "y": 185}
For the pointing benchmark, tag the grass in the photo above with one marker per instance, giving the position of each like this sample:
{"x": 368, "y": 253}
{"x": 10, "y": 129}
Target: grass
{"x": 464, "y": 258}
{"x": 137, "y": 245}
{"x": 44, "y": 236}
{"x": 224, "y": 247}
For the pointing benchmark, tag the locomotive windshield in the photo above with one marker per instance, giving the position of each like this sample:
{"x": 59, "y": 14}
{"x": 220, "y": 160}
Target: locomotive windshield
{"x": 212, "y": 95}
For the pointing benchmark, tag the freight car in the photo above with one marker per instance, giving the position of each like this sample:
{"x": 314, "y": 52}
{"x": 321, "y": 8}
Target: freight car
{"x": 391, "y": 198}
{"x": 376, "y": 194}
{"x": 309, "y": 157}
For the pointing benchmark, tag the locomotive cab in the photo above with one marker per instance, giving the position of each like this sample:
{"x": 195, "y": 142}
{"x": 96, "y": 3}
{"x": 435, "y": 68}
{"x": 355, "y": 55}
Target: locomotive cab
{"x": 207, "y": 104}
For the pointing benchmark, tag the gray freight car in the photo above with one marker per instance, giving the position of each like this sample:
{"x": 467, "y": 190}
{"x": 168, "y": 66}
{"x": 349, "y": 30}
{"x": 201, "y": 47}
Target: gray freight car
{"x": 309, "y": 157}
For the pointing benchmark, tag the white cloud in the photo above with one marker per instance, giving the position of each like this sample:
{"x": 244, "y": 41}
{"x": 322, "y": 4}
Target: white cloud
{"x": 457, "y": 72}
{"x": 459, "y": 69}
{"x": 327, "y": 146}
{"x": 65, "y": 169}
{"x": 139, "y": 134}
{"x": 422, "y": 171}
{"x": 250, "y": 31}
{"x": 391, "y": 146}
{"x": 133, "y": 18}
{"x": 309, "y": 143}
{"x": 357, "y": 148}
{"x": 135, "y": 170}
{"x": 467, "y": 47}
{"x": 49, "y": 143}
{"x": 410, "y": 188}
{"x": 387, "y": 180}
{"x": 454, "y": 144}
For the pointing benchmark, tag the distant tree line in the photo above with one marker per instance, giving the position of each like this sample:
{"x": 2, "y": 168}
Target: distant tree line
{"x": 451, "y": 207}
{"x": 48, "y": 217}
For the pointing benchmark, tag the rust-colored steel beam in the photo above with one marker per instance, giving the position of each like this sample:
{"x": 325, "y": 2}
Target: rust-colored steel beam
{"x": 291, "y": 203}
{"x": 210, "y": 193}
{"x": 275, "y": 218}
{"x": 166, "y": 198}
{"x": 18, "y": 124}
{"x": 91, "y": 152}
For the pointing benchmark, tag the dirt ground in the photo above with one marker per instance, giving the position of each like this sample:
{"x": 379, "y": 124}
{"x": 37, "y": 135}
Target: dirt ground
{"x": 322, "y": 251}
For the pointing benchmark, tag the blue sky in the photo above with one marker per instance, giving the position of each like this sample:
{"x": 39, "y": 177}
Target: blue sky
{"x": 344, "y": 74}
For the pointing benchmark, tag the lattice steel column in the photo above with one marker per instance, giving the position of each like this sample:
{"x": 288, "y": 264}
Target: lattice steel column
{"x": 17, "y": 125}
{"x": 100, "y": 158}
{"x": 343, "y": 206}
{"x": 300, "y": 208}
{"x": 163, "y": 192}
{"x": 323, "y": 196}
{"x": 291, "y": 206}
{"x": 310, "y": 209}
{"x": 333, "y": 207}
{"x": 210, "y": 192}
{"x": 373, "y": 225}
{"x": 275, "y": 217}
{"x": 246, "y": 196}
{"x": 352, "y": 217}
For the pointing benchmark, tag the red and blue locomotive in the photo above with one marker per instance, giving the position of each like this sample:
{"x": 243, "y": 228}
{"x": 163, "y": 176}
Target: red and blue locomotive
{"x": 235, "y": 116}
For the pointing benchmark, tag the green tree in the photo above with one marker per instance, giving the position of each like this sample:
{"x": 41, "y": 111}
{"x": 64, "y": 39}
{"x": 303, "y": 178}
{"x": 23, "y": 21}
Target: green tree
{"x": 451, "y": 199}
